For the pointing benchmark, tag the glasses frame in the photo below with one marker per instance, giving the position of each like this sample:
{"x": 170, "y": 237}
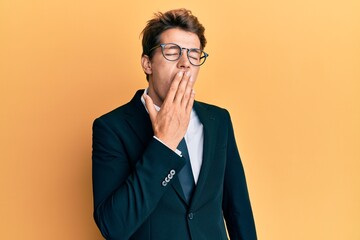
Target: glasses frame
{"x": 162, "y": 45}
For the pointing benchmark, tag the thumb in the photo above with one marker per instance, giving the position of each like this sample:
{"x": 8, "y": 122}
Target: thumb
{"x": 150, "y": 107}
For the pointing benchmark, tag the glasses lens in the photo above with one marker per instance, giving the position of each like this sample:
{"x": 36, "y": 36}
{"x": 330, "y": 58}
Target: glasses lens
{"x": 171, "y": 51}
{"x": 196, "y": 56}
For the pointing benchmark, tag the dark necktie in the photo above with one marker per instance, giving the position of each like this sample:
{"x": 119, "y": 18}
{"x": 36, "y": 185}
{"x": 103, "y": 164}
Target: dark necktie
{"x": 185, "y": 175}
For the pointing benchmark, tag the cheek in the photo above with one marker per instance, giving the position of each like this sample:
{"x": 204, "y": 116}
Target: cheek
{"x": 167, "y": 74}
{"x": 195, "y": 74}
{"x": 164, "y": 70}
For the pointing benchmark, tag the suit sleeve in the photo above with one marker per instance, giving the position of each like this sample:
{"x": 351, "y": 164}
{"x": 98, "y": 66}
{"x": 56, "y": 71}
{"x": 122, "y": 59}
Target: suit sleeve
{"x": 236, "y": 203}
{"x": 125, "y": 196}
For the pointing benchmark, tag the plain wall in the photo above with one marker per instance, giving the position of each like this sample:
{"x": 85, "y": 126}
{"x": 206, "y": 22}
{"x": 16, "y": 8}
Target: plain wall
{"x": 288, "y": 72}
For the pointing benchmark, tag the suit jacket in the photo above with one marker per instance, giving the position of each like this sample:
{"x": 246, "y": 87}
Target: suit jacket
{"x": 129, "y": 167}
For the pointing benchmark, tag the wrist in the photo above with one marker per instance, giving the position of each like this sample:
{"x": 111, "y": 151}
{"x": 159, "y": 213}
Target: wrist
{"x": 169, "y": 146}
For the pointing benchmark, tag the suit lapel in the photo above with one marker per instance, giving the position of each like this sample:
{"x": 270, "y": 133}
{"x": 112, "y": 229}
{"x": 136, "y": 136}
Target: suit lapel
{"x": 139, "y": 121}
{"x": 209, "y": 124}
{"x": 177, "y": 187}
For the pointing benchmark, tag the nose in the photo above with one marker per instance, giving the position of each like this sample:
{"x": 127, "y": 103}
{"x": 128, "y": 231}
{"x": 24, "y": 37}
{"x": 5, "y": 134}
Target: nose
{"x": 183, "y": 61}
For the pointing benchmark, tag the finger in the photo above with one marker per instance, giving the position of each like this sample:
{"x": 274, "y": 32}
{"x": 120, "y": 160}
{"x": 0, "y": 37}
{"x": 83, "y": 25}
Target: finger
{"x": 174, "y": 87}
{"x": 150, "y": 107}
{"x": 190, "y": 103}
{"x": 188, "y": 91}
{"x": 182, "y": 88}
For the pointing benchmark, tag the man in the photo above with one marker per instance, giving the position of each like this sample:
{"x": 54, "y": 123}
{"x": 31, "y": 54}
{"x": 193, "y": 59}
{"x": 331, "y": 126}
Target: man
{"x": 164, "y": 165}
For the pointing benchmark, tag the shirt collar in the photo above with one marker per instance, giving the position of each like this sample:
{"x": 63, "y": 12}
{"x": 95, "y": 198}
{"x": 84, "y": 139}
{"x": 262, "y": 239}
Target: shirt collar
{"x": 143, "y": 101}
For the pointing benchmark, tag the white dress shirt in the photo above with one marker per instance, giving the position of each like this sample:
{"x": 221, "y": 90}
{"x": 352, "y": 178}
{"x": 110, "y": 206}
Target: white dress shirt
{"x": 194, "y": 138}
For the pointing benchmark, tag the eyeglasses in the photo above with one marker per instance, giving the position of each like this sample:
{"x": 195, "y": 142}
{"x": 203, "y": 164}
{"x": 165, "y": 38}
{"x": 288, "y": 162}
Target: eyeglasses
{"x": 173, "y": 52}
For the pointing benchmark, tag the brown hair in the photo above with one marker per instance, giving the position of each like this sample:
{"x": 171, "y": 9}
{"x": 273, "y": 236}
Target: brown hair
{"x": 177, "y": 18}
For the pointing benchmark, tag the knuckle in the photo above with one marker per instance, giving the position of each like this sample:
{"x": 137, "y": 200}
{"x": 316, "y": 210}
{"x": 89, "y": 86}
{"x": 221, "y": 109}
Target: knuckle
{"x": 173, "y": 88}
{"x": 181, "y": 90}
{"x": 186, "y": 94}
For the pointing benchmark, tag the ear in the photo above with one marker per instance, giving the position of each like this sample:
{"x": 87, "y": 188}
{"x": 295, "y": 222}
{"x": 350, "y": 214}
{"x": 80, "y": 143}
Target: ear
{"x": 146, "y": 64}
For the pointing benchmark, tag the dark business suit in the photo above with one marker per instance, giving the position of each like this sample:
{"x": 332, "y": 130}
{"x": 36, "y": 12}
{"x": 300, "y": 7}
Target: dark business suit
{"x": 129, "y": 167}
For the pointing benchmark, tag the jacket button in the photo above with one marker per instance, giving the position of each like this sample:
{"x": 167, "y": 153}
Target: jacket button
{"x": 190, "y": 216}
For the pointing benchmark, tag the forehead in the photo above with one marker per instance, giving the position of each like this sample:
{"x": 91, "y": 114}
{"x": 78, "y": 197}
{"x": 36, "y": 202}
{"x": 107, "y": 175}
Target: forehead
{"x": 180, "y": 37}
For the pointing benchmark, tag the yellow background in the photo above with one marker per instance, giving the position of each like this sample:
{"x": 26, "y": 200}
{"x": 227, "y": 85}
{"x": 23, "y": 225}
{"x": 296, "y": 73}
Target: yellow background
{"x": 288, "y": 71}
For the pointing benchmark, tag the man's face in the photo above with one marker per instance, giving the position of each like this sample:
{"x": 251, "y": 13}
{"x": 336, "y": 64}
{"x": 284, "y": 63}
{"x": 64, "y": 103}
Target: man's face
{"x": 162, "y": 71}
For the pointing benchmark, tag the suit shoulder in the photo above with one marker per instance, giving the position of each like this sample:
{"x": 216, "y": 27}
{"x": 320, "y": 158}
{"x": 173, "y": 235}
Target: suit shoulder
{"x": 216, "y": 110}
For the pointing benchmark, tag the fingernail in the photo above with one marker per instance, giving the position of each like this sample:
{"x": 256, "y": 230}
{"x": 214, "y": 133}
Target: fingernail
{"x": 180, "y": 74}
{"x": 187, "y": 73}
